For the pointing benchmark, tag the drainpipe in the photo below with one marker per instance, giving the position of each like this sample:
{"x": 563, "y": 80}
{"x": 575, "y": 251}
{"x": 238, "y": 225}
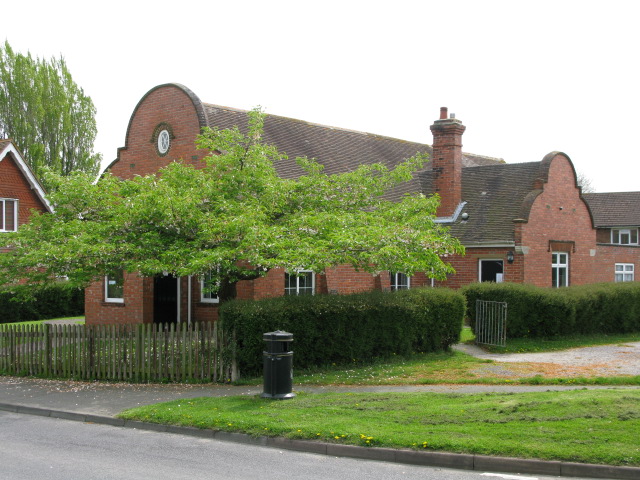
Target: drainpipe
{"x": 189, "y": 299}
{"x": 178, "y": 302}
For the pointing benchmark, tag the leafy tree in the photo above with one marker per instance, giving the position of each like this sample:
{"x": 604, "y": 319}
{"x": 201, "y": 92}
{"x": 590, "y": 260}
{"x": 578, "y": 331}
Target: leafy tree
{"x": 46, "y": 114}
{"x": 234, "y": 217}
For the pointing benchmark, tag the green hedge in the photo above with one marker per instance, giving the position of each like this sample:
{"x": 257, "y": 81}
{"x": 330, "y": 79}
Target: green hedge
{"x": 341, "y": 329}
{"x": 58, "y": 300}
{"x": 546, "y": 312}
{"x": 607, "y": 307}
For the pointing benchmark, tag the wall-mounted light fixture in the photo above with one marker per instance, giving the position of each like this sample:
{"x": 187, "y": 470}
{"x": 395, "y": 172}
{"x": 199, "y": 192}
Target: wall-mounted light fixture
{"x": 510, "y": 256}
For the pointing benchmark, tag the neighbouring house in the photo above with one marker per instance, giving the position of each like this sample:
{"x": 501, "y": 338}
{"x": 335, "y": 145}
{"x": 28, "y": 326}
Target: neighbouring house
{"x": 616, "y": 218}
{"x": 20, "y": 191}
{"x": 526, "y": 222}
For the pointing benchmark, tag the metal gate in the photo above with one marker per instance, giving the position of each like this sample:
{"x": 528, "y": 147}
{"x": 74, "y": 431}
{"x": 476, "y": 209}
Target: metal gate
{"x": 491, "y": 323}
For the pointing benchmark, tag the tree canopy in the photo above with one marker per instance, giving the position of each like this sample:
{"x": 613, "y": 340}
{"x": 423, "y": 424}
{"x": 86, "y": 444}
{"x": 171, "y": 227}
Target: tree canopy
{"x": 233, "y": 217}
{"x": 46, "y": 114}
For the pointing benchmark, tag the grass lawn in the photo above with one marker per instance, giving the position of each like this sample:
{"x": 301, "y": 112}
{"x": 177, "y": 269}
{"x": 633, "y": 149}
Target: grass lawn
{"x": 79, "y": 320}
{"x": 590, "y": 426}
{"x": 428, "y": 368}
{"x": 442, "y": 368}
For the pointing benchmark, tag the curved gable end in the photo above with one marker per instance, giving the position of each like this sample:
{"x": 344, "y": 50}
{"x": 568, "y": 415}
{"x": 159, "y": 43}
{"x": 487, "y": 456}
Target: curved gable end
{"x": 569, "y": 178}
{"x": 162, "y": 128}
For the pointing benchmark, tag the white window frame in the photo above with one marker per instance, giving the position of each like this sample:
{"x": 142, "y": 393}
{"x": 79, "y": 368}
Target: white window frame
{"x": 107, "y": 281}
{"x": 557, "y": 266}
{"x": 624, "y": 272}
{"x": 213, "y": 297}
{"x": 3, "y": 214}
{"x": 617, "y": 235}
{"x": 482, "y": 260}
{"x": 296, "y": 290}
{"x": 396, "y": 281}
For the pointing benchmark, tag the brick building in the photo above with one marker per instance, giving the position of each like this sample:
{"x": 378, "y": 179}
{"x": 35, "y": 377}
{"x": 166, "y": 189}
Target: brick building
{"x": 20, "y": 191}
{"x": 523, "y": 222}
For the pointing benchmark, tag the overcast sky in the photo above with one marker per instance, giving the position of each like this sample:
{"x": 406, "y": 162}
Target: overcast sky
{"x": 526, "y": 78}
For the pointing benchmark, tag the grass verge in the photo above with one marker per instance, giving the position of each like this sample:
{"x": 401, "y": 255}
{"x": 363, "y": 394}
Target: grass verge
{"x": 445, "y": 368}
{"x": 78, "y": 320}
{"x": 580, "y": 426}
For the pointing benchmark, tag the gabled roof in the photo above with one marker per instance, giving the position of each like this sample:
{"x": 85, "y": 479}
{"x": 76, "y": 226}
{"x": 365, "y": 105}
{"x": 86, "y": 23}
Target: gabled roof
{"x": 495, "y": 196}
{"x": 615, "y": 209}
{"x": 8, "y": 148}
{"x": 338, "y": 149}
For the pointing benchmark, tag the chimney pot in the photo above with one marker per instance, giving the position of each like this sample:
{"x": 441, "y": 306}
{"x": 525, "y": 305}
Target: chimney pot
{"x": 452, "y": 115}
{"x": 443, "y": 113}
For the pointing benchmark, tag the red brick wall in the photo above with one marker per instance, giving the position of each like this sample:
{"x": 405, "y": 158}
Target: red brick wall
{"x": 603, "y": 235}
{"x": 468, "y": 266}
{"x": 608, "y": 255}
{"x": 345, "y": 279}
{"x": 132, "y": 310}
{"x": 559, "y": 214}
{"x": 14, "y": 185}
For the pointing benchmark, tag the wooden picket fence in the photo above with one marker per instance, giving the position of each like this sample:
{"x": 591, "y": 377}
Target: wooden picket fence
{"x": 134, "y": 353}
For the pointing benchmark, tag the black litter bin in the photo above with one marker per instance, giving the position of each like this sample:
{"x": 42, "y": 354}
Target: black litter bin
{"x": 278, "y": 365}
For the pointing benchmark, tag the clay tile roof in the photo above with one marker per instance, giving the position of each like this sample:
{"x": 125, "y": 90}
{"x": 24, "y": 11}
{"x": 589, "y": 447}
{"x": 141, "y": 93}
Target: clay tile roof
{"x": 495, "y": 195}
{"x": 616, "y": 209}
{"x": 339, "y": 150}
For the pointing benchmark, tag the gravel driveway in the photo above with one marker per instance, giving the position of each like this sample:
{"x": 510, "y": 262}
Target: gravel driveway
{"x": 603, "y": 360}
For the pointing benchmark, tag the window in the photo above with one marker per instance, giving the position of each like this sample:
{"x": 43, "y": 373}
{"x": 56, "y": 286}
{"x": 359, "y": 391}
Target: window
{"x": 208, "y": 289}
{"x": 399, "y": 281}
{"x": 559, "y": 269}
{"x": 114, "y": 287}
{"x": 303, "y": 282}
{"x": 624, "y": 272}
{"x": 8, "y": 215}
{"x": 491, "y": 271}
{"x": 624, "y": 236}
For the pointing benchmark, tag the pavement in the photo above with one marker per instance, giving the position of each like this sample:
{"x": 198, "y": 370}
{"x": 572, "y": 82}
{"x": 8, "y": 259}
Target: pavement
{"x": 602, "y": 360}
{"x": 100, "y": 402}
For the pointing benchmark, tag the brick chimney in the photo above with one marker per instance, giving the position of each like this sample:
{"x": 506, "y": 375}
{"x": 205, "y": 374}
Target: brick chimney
{"x": 446, "y": 162}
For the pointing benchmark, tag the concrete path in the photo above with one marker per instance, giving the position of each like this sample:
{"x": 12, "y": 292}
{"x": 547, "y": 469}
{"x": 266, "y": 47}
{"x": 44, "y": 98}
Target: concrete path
{"x": 602, "y": 360}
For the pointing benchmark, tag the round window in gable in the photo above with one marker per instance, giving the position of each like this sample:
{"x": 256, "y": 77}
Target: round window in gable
{"x": 162, "y": 137}
{"x": 164, "y": 142}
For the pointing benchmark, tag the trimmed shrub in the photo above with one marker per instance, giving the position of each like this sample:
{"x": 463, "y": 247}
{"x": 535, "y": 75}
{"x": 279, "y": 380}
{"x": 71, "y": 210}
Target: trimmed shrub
{"x": 342, "y": 329}
{"x": 546, "y": 312}
{"x": 57, "y": 300}
{"x": 606, "y": 307}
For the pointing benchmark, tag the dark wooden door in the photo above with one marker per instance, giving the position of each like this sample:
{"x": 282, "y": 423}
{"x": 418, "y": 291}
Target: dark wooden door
{"x": 165, "y": 299}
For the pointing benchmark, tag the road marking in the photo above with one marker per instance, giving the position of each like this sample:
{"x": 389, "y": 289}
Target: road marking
{"x": 509, "y": 477}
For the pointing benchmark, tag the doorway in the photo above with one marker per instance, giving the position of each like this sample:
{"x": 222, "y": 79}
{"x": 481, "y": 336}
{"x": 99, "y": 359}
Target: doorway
{"x": 165, "y": 299}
